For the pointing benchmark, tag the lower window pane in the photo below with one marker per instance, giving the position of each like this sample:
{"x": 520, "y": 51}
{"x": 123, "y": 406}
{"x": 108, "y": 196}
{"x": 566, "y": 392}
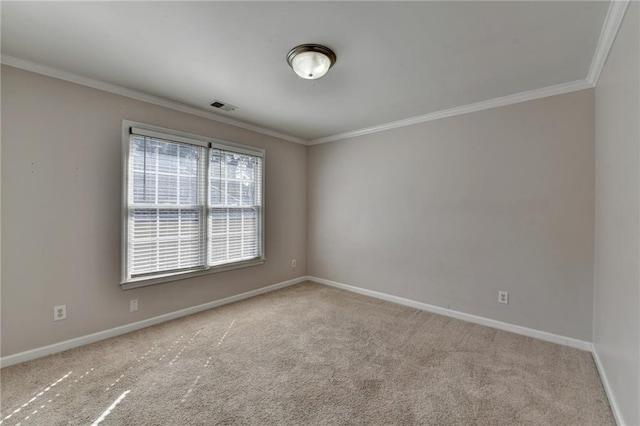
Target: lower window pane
{"x": 165, "y": 240}
{"x": 233, "y": 235}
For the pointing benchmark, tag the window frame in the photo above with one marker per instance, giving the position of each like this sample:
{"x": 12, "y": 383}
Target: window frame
{"x": 188, "y": 138}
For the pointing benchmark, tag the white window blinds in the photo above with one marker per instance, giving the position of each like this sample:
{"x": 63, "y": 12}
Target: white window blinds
{"x": 190, "y": 206}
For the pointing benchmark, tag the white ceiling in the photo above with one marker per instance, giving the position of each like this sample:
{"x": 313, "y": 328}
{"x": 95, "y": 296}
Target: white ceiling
{"x": 395, "y": 59}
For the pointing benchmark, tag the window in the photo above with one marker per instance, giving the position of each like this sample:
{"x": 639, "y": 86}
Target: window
{"x": 192, "y": 205}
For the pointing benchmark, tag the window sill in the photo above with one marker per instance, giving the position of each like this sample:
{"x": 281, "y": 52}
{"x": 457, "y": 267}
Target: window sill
{"x": 159, "y": 279}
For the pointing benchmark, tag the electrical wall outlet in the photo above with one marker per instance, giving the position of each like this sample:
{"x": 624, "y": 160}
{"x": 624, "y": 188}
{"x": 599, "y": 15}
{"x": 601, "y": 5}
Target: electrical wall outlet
{"x": 133, "y": 305}
{"x": 503, "y": 297}
{"x": 294, "y": 264}
{"x": 59, "y": 312}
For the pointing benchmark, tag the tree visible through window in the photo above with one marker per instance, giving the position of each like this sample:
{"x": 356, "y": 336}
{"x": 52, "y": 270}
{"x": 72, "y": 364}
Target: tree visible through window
{"x": 190, "y": 206}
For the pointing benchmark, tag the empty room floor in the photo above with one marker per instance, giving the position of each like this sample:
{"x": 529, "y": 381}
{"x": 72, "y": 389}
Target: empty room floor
{"x": 309, "y": 354}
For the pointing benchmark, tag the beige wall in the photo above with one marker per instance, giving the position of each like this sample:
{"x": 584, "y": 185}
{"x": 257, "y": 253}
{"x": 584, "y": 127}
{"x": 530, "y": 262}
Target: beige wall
{"x": 444, "y": 212}
{"x": 616, "y": 317}
{"x": 61, "y": 177}
{"x": 450, "y": 211}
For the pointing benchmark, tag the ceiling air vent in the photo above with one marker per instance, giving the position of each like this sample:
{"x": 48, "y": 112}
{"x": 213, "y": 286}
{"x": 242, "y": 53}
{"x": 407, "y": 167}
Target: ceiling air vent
{"x": 223, "y": 105}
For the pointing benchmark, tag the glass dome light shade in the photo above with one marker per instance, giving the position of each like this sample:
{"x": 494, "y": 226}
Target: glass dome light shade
{"x": 311, "y": 61}
{"x": 310, "y": 65}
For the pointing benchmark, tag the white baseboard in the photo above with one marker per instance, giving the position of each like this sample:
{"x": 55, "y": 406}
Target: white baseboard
{"x": 617, "y": 414}
{"x": 537, "y": 334}
{"x": 530, "y": 332}
{"x": 101, "y": 335}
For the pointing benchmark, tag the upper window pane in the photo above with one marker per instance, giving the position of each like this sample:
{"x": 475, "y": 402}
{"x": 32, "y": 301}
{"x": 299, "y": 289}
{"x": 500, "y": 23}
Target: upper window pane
{"x": 232, "y": 179}
{"x": 164, "y": 172}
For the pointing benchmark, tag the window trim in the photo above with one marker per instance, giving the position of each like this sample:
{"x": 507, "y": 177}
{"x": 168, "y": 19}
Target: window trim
{"x": 129, "y": 283}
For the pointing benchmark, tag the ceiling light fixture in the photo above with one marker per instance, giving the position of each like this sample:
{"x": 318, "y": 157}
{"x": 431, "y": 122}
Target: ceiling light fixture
{"x": 311, "y": 61}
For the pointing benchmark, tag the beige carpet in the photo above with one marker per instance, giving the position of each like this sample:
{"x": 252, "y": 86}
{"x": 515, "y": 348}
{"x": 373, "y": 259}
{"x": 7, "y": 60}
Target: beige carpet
{"x": 309, "y": 354}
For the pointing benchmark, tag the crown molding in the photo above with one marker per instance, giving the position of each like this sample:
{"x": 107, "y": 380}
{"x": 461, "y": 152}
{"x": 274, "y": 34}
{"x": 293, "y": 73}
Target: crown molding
{"x": 140, "y": 96}
{"x": 557, "y": 89}
{"x": 610, "y": 28}
{"x": 613, "y": 20}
